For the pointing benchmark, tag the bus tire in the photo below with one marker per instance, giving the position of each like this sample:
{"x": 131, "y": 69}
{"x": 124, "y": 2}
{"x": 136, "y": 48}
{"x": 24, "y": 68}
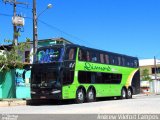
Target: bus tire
{"x": 91, "y": 95}
{"x": 123, "y": 93}
{"x": 129, "y": 93}
{"x": 80, "y": 96}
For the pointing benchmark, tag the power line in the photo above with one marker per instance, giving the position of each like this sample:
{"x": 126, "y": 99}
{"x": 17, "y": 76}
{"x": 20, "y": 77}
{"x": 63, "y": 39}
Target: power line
{"x": 57, "y": 29}
{"x": 19, "y": 5}
{"x": 14, "y": 3}
{"x": 24, "y": 7}
{"x": 53, "y": 27}
{"x": 6, "y": 15}
{"x": 68, "y": 34}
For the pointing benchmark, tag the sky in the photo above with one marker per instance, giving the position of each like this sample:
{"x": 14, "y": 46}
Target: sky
{"x": 130, "y": 27}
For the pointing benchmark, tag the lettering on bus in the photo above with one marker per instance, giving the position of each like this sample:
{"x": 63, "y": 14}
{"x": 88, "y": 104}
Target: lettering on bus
{"x": 89, "y": 66}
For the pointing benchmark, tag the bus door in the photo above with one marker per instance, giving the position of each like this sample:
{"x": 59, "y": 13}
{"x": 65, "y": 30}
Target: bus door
{"x": 69, "y": 64}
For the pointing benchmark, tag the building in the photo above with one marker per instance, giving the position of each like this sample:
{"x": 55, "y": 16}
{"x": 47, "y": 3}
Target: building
{"x": 153, "y": 85}
{"x": 41, "y": 43}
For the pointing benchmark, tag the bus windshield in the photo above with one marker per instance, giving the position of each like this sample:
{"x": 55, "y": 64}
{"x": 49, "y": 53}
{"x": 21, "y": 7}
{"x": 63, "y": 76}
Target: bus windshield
{"x": 48, "y": 55}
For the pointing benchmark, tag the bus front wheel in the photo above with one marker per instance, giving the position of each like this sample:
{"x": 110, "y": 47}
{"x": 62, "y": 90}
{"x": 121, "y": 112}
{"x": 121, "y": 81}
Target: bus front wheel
{"x": 91, "y": 95}
{"x": 80, "y": 96}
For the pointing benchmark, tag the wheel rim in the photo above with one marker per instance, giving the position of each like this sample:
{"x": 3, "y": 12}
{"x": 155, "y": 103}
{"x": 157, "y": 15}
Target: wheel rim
{"x": 80, "y": 95}
{"x": 124, "y": 93}
{"x": 129, "y": 93}
{"x": 91, "y": 95}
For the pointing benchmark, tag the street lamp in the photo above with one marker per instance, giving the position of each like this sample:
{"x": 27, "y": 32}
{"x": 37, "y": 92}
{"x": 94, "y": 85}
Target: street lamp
{"x": 35, "y": 32}
{"x": 48, "y": 7}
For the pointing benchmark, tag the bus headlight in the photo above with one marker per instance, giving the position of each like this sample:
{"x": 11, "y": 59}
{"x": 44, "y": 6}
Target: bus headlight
{"x": 55, "y": 91}
{"x": 32, "y": 92}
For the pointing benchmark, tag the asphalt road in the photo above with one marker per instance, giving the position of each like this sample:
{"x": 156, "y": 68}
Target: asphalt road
{"x": 138, "y": 105}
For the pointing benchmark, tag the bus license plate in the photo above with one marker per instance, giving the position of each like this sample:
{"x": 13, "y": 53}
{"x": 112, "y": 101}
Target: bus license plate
{"x": 43, "y": 97}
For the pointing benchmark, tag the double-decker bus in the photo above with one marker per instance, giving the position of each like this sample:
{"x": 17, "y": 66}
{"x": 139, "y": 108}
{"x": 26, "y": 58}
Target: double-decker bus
{"x": 76, "y": 72}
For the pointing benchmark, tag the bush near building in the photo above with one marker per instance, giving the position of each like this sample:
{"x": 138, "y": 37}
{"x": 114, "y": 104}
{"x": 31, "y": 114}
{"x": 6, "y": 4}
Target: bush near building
{"x": 10, "y": 59}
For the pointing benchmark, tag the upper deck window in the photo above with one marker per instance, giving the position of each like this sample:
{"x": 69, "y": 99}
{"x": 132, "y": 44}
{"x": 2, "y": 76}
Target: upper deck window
{"x": 94, "y": 56}
{"x": 70, "y": 53}
{"x": 88, "y": 55}
{"x": 82, "y": 55}
{"x": 102, "y": 58}
{"x": 48, "y": 55}
{"x": 135, "y": 63}
{"x": 106, "y": 59}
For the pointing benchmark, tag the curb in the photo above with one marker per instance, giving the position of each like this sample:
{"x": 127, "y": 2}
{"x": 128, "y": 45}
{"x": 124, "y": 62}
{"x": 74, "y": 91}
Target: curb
{"x": 7, "y": 103}
{"x": 140, "y": 95}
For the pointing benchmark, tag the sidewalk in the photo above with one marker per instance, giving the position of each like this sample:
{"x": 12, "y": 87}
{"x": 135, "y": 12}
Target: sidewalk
{"x": 21, "y": 102}
{"x": 145, "y": 94}
{"x": 12, "y": 102}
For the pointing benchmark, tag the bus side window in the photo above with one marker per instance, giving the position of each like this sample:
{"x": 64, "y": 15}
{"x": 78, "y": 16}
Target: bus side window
{"x": 127, "y": 62}
{"x": 111, "y": 60}
{"x": 115, "y": 60}
{"x": 88, "y": 57}
{"x": 82, "y": 55}
{"x": 68, "y": 77}
{"x": 95, "y": 56}
{"x": 123, "y": 62}
{"x": 135, "y": 63}
{"x": 131, "y": 63}
{"x": 99, "y": 77}
{"x": 102, "y": 58}
{"x": 106, "y": 59}
{"x": 119, "y": 61}
{"x": 98, "y": 57}
{"x": 70, "y": 54}
{"x": 84, "y": 77}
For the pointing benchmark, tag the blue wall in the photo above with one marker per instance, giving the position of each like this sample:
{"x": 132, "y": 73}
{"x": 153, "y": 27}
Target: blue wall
{"x": 15, "y": 84}
{"x": 23, "y": 83}
{"x": 7, "y": 84}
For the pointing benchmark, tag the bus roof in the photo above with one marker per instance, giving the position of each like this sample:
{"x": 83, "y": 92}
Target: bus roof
{"x": 75, "y": 45}
{"x": 101, "y": 50}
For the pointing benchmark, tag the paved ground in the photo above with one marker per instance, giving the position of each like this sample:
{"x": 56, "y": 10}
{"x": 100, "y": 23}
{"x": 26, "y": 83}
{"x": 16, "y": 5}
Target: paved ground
{"x": 139, "y": 104}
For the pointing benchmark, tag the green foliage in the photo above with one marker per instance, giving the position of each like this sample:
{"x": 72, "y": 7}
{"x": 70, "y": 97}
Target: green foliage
{"x": 145, "y": 75}
{"x": 17, "y": 34}
{"x": 13, "y": 58}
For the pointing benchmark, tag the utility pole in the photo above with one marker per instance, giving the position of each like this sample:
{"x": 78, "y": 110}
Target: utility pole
{"x": 35, "y": 32}
{"x": 155, "y": 74}
{"x": 35, "y": 29}
{"x": 15, "y": 31}
{"x": 15, "y": 23}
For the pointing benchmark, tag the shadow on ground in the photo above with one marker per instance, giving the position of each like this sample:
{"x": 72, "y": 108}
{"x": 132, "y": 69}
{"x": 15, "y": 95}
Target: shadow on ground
{"x": 62, "y": 102}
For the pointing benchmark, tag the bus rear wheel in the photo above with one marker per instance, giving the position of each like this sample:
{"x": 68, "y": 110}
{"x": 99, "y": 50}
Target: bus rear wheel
{"x": 80, "y": 96}
{"x": 123, "y": 93}
{"x": 91, "y": 95}
{"x": 129, "y": 93}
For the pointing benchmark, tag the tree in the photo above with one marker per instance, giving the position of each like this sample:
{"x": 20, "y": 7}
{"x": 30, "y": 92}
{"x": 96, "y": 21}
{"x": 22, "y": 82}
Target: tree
{"x": 145, "y": 75}
{"x": 12, "y": 58}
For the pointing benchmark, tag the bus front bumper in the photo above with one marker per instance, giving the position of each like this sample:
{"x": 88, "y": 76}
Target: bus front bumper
{"x": 40, "y": 94}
